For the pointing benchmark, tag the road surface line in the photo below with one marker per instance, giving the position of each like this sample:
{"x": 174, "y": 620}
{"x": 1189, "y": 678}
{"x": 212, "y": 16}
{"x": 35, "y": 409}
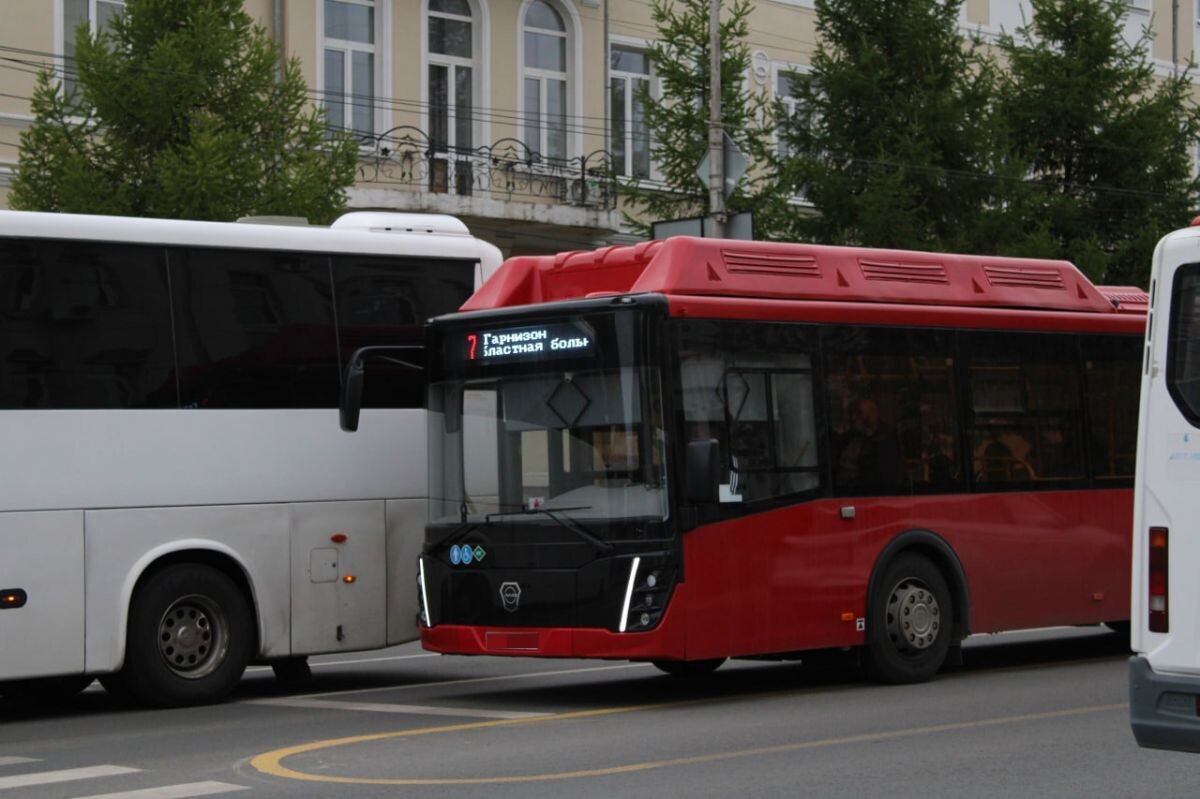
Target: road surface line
{"x": 14, "y": 760}
{"x": 63, "y": 775}
{"x": 271, "y": 762}
{"x": 183, "y": 791}
{"x": 419, "y": 710}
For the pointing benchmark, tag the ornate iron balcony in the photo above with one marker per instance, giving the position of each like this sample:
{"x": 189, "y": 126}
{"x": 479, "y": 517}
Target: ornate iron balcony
{"x": 408, "y": 157}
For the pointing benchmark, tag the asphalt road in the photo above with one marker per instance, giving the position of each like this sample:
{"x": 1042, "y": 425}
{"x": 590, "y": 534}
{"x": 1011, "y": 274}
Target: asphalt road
{"x": 1028, "y": 714}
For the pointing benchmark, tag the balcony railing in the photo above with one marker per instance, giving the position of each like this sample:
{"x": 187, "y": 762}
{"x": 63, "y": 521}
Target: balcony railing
{"x": 508, "y": 169}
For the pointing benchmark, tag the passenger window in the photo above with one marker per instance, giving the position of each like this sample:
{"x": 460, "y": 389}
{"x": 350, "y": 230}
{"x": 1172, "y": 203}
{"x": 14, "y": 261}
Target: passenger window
{"x": 1025, "y": 418}
{"x": 750, "y": 387}
{"x": 84, "y": 325}
{"x": 892, "y": 411}
{"x": 1183, "y": 343}
{"x": 254, "y": 329}
{"x": 388, "y": 300}
{"x": 1113, "y": 389}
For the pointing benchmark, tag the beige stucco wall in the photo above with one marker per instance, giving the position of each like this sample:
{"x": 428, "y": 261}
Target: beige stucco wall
{"x": 782, "y": 35}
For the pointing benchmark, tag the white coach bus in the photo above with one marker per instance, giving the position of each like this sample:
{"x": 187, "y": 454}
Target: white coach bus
{"x": 176, "y": 498}
{"x": 1164, "y": 673}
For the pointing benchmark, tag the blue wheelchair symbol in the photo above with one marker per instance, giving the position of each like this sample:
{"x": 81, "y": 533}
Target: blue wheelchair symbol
{"x": 455, "y": 555}
{"x": 466, "y": 555}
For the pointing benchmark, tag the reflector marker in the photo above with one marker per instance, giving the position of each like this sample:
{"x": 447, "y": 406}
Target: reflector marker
{"x": 628, "y": 594}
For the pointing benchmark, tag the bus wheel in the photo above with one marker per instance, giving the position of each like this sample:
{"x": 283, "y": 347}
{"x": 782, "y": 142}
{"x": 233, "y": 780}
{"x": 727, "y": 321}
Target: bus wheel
{"x": 189, "y": 638}
{"x": 44, "y": 691}
{"x": 689, "y": 668}
{"x": 911, "y": 623}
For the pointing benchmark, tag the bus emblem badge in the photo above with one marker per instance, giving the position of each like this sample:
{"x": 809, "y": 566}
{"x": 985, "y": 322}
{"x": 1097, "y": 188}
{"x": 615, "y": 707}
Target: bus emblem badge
{"x": 510, "y": 595}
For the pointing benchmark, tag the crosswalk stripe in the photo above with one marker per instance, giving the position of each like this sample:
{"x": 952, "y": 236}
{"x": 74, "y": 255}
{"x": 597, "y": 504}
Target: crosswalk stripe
{"x": 12, "y": 760}
{"x": 63, "y": 775}
{"x": 183, "y": 791}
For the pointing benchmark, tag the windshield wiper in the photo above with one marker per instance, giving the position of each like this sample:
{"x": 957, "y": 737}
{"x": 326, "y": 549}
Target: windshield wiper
{"x": 566, "y": 522}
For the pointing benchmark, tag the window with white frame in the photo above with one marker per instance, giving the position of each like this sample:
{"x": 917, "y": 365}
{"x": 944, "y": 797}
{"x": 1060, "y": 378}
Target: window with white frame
{"x": 452, "y": 72}
{"x": 787, "y": 94}
{"x": 544, "y": 80}
{"x": 349, "y": 53}
{"x": 629, "y": 136}
{"x": 97, "y": 14}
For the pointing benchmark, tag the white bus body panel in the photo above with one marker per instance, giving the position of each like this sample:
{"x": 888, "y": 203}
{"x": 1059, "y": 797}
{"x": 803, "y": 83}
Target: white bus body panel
{"x": 1167, "y": 492}
{"x": 43, "y": 555}
{"x": 1164, "y": 674}
{"x": 89, "y": 499}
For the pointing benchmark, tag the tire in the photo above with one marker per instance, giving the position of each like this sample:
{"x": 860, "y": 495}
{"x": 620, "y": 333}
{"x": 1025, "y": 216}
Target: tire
{"x": 44, "y": 691}
{"x": 689, "y": 668}
{"x": 190, "y": 636}
{"x": 910, "y": 621}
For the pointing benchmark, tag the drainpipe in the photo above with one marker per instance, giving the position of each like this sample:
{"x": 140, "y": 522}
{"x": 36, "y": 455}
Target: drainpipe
{"x": 277, "y": 25}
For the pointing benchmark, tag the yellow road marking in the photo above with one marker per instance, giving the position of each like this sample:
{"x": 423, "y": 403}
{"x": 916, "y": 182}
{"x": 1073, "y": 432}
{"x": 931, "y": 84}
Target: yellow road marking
{"x": 272, "y": 762}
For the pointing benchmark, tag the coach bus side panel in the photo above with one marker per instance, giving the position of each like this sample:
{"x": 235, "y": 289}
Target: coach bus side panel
{"x": 338, "y": 576}
{"x": 42, "y": 566}
{"x": 405, "y": 533}
{"x": 122, "y": 543}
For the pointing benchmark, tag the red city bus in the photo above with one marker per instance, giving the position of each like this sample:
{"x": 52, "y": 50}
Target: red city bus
{"x": 690, "y": 450}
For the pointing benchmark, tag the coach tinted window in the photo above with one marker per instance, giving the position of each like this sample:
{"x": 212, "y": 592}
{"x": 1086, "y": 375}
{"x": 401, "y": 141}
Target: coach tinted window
{"x": 1183, "y": 343}
{"x": 384, "y": 300}
{"x": 255, "y": 329}
{"x": 84, "y": 325}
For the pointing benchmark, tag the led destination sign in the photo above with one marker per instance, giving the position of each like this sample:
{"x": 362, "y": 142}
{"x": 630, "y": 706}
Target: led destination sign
{"x": 529, "y": 343}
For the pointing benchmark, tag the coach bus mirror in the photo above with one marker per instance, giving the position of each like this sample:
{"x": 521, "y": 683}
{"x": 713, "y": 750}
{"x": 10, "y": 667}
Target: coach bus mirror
{"x": 351, "y": 400}
{"x": 703, "y": 470}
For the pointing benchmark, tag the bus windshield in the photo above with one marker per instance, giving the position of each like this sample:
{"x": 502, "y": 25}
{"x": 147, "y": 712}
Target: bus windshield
{"x": 579, "y": 444}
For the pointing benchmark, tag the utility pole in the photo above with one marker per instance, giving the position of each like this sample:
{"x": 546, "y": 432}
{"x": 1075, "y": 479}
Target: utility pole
{"x": 716, "y": 142}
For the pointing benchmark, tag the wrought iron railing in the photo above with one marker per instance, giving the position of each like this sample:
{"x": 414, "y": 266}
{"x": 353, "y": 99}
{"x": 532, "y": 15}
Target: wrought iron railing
{"x": 406, "y": 156}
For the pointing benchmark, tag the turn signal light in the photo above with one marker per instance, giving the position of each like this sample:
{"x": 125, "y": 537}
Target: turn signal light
{"x": 12, "y": 598}
{"x": 349, "y": 578}
{"x": 338, "y": 538}
{"x": 1160, "y": 620}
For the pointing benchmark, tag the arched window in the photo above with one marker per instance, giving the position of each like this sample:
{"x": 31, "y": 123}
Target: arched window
{"x": 451, "y": 69}
{"x": 544, "y": 79}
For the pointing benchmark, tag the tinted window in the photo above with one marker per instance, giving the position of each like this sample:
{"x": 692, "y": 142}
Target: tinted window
{"x": 387, "y": 301}
{"x": 750, "y": 387}
{"x": 1183, "y": 342}
{"x": 84, "y": 325}
{"x": 892, "y": 412}
{"x": 255, "y": 329}
{"x": 1024, "y": 422}
{"x": 1113, "y": 371}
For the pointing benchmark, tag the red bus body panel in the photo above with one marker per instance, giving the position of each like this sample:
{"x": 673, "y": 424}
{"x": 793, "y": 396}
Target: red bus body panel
{"x": 796, "y": 578}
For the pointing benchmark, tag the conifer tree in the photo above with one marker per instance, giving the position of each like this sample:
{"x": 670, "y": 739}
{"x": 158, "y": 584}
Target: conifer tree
{"x": 178, "y": 112}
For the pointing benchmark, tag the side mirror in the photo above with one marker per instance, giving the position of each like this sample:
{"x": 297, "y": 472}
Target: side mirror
{"x": 351, "y": 400}
{"x": 350, "y": 403}
{"x": 703, "y": 471}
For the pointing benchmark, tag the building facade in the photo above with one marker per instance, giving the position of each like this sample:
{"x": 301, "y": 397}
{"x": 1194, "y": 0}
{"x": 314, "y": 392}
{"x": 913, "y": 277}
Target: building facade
{"x": 505, "y": 113}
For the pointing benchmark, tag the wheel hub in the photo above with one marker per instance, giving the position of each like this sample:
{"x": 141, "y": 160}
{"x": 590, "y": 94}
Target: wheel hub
{"x": 193, "y": 637}
{"x": 914, "y": 616}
